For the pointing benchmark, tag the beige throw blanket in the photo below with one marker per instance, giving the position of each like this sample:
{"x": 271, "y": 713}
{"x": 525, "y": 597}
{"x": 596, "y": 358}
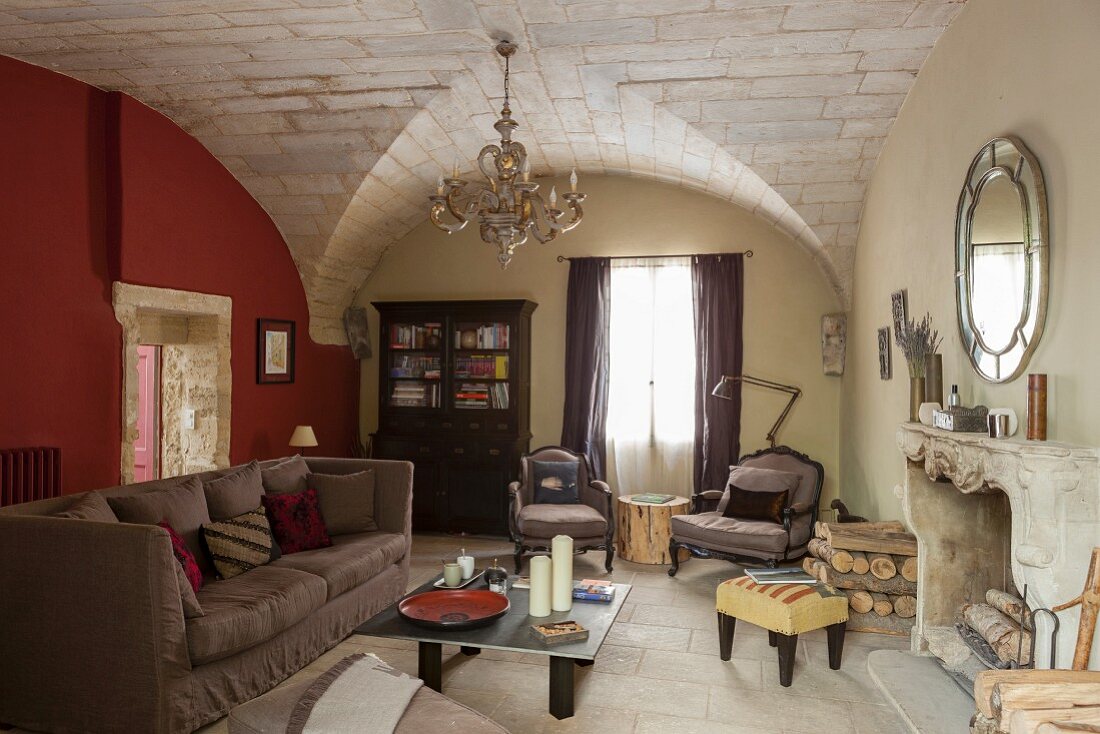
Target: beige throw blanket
{"x": 361, "y": 694}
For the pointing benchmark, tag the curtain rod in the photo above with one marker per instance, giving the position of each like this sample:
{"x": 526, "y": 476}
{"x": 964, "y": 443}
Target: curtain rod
{"x": 746, "y": 253}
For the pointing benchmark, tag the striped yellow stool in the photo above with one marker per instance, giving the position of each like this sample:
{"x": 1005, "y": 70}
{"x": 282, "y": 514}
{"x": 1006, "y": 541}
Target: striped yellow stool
{"x": 785, "y": 610}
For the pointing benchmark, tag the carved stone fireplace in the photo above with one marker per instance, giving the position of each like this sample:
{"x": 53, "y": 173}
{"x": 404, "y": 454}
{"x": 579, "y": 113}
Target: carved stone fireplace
{"x": 982, "y": 508}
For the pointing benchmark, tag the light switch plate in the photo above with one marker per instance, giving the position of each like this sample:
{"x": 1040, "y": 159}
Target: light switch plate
{"x": 189, "y": 418}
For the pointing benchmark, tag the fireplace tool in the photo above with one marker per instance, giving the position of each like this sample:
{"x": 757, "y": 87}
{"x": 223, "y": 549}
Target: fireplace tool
{"x": 1054, "y": 625}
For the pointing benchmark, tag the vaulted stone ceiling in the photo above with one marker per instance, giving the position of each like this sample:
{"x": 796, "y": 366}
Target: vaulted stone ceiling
{"x": 338, "y": 115}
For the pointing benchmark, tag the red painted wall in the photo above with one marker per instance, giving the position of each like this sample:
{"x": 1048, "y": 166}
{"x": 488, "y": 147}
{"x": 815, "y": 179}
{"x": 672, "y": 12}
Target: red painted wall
{"x": 95, "y": 186}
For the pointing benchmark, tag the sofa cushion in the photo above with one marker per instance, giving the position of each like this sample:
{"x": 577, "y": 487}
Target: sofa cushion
{"x": 296, "y": 521}
{"x": 245, "y": 610}
{"x": 240, "y": 543}
{"x": 286, "y": 477}
{"x": 347, "y": 501}
{"x": 234, "y": 494}
{"x": 190, "y": 602}
{"x": 184, "y": 557}
{"x": 351, "y": 561}
{"x": 548, "y": 520}
{"x": 712, "y": 530}
{"x": 183, "y": 506}
{"x": 753, "y": 479}
{"x": 92, "y": 506}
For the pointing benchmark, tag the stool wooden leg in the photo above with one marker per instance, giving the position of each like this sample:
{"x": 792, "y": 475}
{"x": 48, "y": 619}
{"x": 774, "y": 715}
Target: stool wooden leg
{"x": 771, "y": 639}
{"x": 788, "y": 645}
{"x": 836, "y": 643}
{"x": 726, "y": 626}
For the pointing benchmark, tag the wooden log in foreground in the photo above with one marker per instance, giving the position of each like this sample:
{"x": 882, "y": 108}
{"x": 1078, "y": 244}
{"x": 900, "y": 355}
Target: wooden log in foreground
{"x": 882, "y": 566}
{"x": 1002, "y": 634}
{"x": 1025, "y": 721}
{"x": 1066, "y": 727}
{"x": 860, "y": 564}
{"x": 907, "y": 567}
{"x": 1009, "y": 696}
{"x": 896, "y": 585}
{"x": 905, "y": 606}
{"x": 883, "y": 606}
{"x": 839, "y": 559}
{"x": 860, "y": 601}
{"x": 871, "y": 622}
{"x": 846, "y": 536}
{"x": 987, "y": 680}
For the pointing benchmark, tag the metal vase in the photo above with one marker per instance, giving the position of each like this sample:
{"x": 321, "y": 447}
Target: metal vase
{"x": 916, "y": 397}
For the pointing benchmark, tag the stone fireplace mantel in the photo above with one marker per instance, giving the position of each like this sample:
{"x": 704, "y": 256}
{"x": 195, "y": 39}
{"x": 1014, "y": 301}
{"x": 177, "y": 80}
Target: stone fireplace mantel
{"x": 967, "y": 538}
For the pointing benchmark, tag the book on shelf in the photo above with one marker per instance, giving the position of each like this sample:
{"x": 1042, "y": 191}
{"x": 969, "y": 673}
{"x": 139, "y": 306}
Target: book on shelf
{"x": 415, "y": 336}
{"x": 481, "y": 395}
{"x": 415, "y": 395}
{"x": 489, "y": 336}
{"x": 593, "y": 590}
{"x": 493, "y": 366}
{"x": 408, "y": 365}
{"x": 653, "y": 499}
{"x": 772, "y": 576}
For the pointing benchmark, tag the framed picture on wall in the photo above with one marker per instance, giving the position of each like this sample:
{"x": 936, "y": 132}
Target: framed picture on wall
{"x": 274, "y": 351}
{"x": 899, "y": 309}
{"x": 884, "y": 371}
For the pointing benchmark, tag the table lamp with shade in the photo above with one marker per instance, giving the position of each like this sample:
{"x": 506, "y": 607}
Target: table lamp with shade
{"x": 303, "y": 438}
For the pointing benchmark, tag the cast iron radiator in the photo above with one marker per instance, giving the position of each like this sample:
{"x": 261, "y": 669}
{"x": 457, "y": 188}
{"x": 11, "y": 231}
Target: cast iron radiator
{"x": 29, "y": 474}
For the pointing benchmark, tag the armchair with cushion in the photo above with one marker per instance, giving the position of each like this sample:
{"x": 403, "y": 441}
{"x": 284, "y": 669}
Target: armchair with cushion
{"x": 589, "y": 521}
{"x": 710, "y": 533}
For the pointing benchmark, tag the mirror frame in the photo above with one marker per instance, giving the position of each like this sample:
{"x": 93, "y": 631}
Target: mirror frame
{"x": 1027, "y": 178}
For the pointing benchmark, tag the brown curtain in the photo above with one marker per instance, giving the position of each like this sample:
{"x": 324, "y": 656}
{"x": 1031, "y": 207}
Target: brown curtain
{"x": 718, "y": 293}
{"x": 587, "y": 359}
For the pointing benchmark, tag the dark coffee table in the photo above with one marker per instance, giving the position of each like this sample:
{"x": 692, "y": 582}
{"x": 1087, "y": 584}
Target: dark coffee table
{"x": 511, "y": 632}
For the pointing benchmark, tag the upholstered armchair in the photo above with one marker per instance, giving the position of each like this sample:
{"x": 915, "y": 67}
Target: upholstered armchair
{"x": 590, "y": 522}
{"x": 708, "y": 533}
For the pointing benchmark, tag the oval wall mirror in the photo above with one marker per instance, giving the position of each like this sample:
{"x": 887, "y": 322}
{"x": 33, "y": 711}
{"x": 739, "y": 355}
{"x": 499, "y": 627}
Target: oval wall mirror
{"x": 1001, "y": 259}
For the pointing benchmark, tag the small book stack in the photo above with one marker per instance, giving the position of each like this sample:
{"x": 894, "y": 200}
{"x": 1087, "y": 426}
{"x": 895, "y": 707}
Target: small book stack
{"x": 654, "y": 499}
{"x": 593, "y": 590}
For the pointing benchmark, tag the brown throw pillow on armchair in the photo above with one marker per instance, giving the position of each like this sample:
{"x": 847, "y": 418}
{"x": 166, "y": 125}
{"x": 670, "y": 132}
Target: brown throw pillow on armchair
{"x": 754, "y": 479}
{"x": 745, "y": 504}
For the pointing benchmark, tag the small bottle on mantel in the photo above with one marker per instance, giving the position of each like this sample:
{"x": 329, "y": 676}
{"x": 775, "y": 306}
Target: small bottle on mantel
{"x": 953, "y": 400}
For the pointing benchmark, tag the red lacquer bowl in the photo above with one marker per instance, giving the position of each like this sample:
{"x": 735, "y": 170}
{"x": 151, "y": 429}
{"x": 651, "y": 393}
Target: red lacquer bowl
{"x": 453, "y": 610}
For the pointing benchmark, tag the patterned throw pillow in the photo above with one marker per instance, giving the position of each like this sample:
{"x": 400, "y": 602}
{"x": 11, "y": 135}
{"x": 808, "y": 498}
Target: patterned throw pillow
{"x": 240, "y": 543}
{"x": 184, "y": 556}
{"x": 296, "y": 521}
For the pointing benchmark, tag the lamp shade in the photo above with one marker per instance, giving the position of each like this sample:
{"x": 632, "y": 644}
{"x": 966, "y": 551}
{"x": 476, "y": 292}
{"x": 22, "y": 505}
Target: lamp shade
{"x": 724, "y": 389}
{"x": 303, "y": 436}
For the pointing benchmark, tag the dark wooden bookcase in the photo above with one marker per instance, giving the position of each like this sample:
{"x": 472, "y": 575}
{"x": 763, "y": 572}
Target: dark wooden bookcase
{"x": 454, "y": 391}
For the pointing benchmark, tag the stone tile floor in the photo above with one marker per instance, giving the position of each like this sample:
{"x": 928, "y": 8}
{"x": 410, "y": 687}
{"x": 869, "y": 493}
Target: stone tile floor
{"x": 658, "y": 671}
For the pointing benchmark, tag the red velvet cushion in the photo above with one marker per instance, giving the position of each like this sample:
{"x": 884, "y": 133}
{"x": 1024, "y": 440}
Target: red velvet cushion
{"x": 184, "y": 556}
{"x": 296, "y": 521}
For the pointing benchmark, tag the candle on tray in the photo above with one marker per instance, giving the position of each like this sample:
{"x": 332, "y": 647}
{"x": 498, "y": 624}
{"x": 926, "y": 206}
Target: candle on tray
{"x": 561, "y": 598}
{"x": 540, "y": 586}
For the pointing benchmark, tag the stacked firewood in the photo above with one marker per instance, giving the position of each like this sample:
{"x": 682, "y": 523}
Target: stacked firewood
{"x": 1041, "y": 701}
{"x": 875, "y": 565}
{"x": 1004, "y": 623}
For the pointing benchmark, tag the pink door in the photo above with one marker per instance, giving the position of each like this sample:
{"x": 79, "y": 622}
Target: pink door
{"x": 147, "y": 445}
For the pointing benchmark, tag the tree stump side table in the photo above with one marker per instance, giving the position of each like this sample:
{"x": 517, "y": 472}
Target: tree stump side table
{"x": 643, "y": 529}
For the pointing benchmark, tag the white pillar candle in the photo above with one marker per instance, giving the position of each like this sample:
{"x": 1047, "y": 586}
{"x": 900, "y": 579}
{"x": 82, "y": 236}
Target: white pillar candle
{"x": 539, "y": 605}
{"x": 561, "y": 597}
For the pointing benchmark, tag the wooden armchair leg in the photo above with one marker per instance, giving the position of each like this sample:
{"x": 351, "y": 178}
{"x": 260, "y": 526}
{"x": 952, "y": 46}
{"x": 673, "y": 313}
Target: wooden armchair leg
{"x": 610, "y": 557}
{"x": 674, "y": 554}
{"x": 518, "y": 556}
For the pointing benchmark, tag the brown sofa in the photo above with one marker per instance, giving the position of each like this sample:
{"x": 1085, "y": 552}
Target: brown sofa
{"x": 93, "y": 636}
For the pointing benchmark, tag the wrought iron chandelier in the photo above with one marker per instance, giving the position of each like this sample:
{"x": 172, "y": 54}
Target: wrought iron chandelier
{"x": 509, "y": 210}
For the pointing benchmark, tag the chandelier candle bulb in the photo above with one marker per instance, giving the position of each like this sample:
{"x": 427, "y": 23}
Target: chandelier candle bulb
{"x": 541, "y": 573}
{"x": 454, "y": 168}
{"x": 439, "y": 185}
{"x": 573, "y": 181}
{"x": 561, "y": 553}
{"x": 553, "y": 197}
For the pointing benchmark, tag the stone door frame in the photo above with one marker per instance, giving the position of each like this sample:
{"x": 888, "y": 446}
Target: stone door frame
{"x": 137, "y": 305}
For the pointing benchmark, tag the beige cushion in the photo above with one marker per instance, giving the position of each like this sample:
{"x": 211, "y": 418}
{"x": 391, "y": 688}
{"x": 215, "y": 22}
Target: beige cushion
{"x": 287, "y": 477}
{"x": 183, "y": 506}
{"x": 234, "y": 494}
{"x": 576, "y": 521}
{"x": 350, "y": 561}
{"x": 428, "y": 711}
{"x": 245, "y": 610}
{"x": 92, "y": 506}
{"x": 753, "y": 479}
{"x": 712, "y": 530}
{"x": 347, "y": 501}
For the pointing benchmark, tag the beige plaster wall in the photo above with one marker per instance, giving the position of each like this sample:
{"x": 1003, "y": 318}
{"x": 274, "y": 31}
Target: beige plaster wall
{"x": 785, "y": 296}
{"x": 1004, "y": 66}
